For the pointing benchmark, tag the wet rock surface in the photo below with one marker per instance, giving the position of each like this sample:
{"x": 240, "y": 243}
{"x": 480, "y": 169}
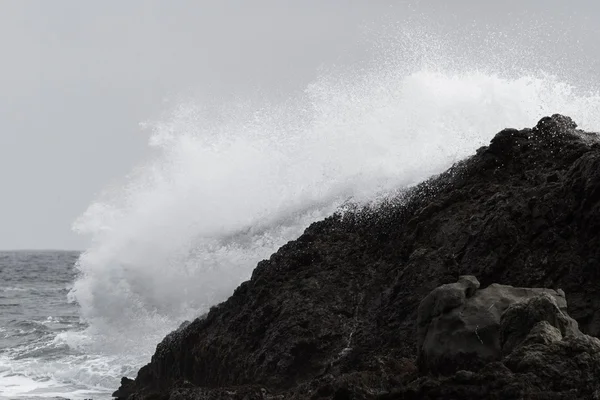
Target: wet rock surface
{"x": 335, "y": 313}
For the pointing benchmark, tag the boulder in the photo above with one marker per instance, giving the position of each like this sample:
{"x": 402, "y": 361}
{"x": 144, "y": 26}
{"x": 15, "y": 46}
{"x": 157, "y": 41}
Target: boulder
{"x": 541, "y": 353}
{"x": 460, "y": 327}
{"x": 442, "y": 300}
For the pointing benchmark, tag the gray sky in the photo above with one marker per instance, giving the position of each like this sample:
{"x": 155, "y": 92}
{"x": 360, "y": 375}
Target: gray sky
{"x": 77, "y": 77}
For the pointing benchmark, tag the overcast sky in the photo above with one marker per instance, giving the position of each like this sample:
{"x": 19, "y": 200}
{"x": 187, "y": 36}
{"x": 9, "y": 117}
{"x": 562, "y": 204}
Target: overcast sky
{"x": 77, "y": 77}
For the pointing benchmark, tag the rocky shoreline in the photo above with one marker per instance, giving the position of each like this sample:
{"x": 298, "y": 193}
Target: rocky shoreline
{"x": 349, "y": 310}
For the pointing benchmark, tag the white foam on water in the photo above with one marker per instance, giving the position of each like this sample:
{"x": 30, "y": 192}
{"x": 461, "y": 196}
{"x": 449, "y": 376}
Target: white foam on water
{"x": 48, "y": 368}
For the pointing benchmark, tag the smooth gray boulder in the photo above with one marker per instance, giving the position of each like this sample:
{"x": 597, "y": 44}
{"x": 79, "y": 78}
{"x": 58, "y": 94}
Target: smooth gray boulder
{"x": 443, "y": 299}
{"x": 460, "y": 327}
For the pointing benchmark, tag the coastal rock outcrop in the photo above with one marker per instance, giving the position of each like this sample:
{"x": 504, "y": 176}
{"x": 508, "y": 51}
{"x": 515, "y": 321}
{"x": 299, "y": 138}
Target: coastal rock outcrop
{"x": 335, "y": 313}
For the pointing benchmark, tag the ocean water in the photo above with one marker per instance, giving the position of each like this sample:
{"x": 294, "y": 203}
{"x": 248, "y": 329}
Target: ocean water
{"x": 230, "y": 183}
{"x": 34, "y": 314}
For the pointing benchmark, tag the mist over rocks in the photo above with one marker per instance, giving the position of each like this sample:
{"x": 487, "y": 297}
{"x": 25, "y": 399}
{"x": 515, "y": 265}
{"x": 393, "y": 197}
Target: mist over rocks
{"x": 335, "y": 313}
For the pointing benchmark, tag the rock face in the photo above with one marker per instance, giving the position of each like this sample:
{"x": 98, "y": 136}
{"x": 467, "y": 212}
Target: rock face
{"x": 335, "y": 313}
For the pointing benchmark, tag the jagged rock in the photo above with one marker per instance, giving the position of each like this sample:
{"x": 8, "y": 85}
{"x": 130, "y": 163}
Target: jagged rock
{"x": 461, "y": 327}
{"x": 125, "y": 390}
{"x": 544, "y": 365}
{"x": 542, "y": 333}
{"x": 520, "y": 318}
{"x": 230, "y": 393}
{"x": 332, "y": 313}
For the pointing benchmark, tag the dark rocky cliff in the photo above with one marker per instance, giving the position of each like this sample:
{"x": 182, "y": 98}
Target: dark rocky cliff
{"x": 333, "y": 314}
